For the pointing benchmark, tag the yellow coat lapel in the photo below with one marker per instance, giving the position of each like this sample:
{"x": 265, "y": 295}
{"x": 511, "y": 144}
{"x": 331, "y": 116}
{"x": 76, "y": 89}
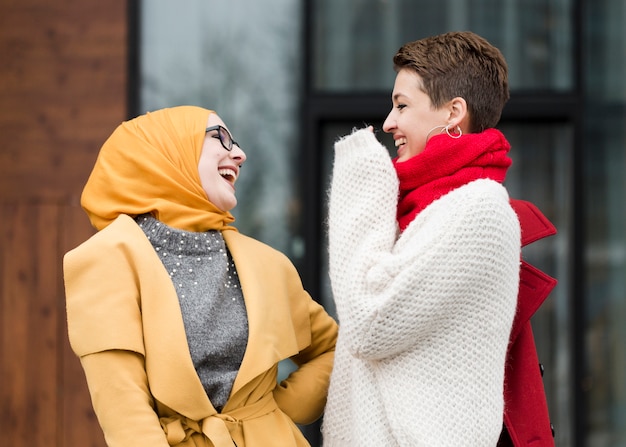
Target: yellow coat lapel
{"x": 265, "y": 285}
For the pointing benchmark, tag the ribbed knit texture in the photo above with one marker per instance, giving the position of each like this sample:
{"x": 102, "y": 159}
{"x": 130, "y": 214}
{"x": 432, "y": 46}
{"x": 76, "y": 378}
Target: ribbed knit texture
{"x": 211, "y": 301}
{"x": 425, "y": 316}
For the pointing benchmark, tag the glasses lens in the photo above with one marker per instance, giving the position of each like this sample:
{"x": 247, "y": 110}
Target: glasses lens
{"x": 225, "y": 138}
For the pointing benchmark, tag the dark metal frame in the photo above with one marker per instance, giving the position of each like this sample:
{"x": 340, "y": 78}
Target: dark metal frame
{"x": 133, "y": 30}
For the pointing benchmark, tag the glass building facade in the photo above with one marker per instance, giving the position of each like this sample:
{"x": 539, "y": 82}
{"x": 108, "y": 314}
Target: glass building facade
{"x": 290, "y": 77}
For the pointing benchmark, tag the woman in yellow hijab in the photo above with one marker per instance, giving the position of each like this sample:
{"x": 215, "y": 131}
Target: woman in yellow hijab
{"x": 178, "y": 319}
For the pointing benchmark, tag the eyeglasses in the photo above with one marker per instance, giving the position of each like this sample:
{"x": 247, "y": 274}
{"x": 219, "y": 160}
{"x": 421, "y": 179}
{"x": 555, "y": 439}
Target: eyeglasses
{"x": 225, "y": 138}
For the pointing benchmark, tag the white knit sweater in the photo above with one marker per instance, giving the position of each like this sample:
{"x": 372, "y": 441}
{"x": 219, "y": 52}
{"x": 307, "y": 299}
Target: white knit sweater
{"x": 424, "y": 317}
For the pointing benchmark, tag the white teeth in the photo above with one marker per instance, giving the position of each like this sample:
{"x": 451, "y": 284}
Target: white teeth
{"x": 227, "y": 173}
{"x": 400, "y": 141}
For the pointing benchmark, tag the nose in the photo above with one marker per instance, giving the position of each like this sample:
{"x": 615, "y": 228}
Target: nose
{"x": 390, "y": 123}
{"x": 238, "y": 154}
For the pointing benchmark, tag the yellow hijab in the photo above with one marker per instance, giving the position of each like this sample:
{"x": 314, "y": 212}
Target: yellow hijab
{"x": 150, "y": 165}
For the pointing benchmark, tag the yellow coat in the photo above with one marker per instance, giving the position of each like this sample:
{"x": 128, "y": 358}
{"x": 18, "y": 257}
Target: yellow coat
{"x": 126, "y": 326}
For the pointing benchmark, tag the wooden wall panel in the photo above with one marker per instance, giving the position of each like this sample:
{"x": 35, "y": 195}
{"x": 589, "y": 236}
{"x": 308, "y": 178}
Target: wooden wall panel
{"x": 62, "y": 91}
{"x": 30, "y": 318}
{"x": 63, "y": 84}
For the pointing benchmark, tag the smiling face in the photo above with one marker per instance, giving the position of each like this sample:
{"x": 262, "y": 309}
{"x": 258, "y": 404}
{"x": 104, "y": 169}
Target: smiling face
{"x": 413, "y": 119}
{"x": 219, "y": 168}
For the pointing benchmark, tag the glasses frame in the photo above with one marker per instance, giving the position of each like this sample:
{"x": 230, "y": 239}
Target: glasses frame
{"x": 221, "y": 130}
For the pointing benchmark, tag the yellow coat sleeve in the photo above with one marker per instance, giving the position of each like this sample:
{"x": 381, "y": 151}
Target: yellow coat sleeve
{"x": 302, "y": 396}
{"x": 119, "y": 392}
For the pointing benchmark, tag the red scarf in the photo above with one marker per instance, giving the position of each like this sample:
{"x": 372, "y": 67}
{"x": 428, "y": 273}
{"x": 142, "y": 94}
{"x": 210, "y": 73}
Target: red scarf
{"x": 445, "y": 164}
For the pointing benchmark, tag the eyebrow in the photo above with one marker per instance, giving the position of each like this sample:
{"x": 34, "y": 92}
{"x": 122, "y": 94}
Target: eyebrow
{"x": 397, "y": 96}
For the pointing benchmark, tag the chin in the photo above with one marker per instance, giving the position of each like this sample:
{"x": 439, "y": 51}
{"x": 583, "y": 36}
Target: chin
{"x": 230, "y": 205}
{"x": 223, "y": 203}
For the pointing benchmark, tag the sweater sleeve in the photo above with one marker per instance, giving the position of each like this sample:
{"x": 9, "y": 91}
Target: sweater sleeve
{"x": 392, "y": 293}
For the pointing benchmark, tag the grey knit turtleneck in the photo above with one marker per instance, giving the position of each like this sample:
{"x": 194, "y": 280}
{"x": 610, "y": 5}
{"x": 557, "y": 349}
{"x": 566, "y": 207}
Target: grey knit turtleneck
{"x": 211, "y": 302}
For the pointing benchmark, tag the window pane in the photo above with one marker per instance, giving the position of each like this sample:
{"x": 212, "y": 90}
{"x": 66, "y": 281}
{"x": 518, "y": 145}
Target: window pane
{"x": 354, "y": 40}
{"x": 240, "y": 59}
{"x": 605, "y": 200}
{"x": 542, "y": 174}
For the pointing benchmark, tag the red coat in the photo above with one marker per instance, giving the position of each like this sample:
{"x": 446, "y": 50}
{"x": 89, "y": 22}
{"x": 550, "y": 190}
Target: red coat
{"x": 526, "y": 417}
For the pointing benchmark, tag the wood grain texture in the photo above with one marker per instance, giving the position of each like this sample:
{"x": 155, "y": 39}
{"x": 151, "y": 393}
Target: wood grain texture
{"x": 63, "y": 87}
{"x": 62, "y": 92}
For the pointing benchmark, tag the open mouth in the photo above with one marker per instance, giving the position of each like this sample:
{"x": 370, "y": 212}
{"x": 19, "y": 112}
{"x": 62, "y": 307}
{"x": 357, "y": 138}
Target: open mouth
{"x": 400, "y": 141}
{"x": 228, "y": 174}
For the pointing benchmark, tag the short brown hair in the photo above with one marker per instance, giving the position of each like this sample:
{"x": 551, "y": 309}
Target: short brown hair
{"x": 460, "y": 64}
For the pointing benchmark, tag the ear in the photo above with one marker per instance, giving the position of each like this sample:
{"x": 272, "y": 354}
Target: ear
{"x": 458, "y": 114}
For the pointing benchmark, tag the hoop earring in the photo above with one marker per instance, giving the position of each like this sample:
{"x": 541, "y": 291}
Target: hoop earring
{"x": 459, "y": 133}
{"x": 431, "y": 131}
